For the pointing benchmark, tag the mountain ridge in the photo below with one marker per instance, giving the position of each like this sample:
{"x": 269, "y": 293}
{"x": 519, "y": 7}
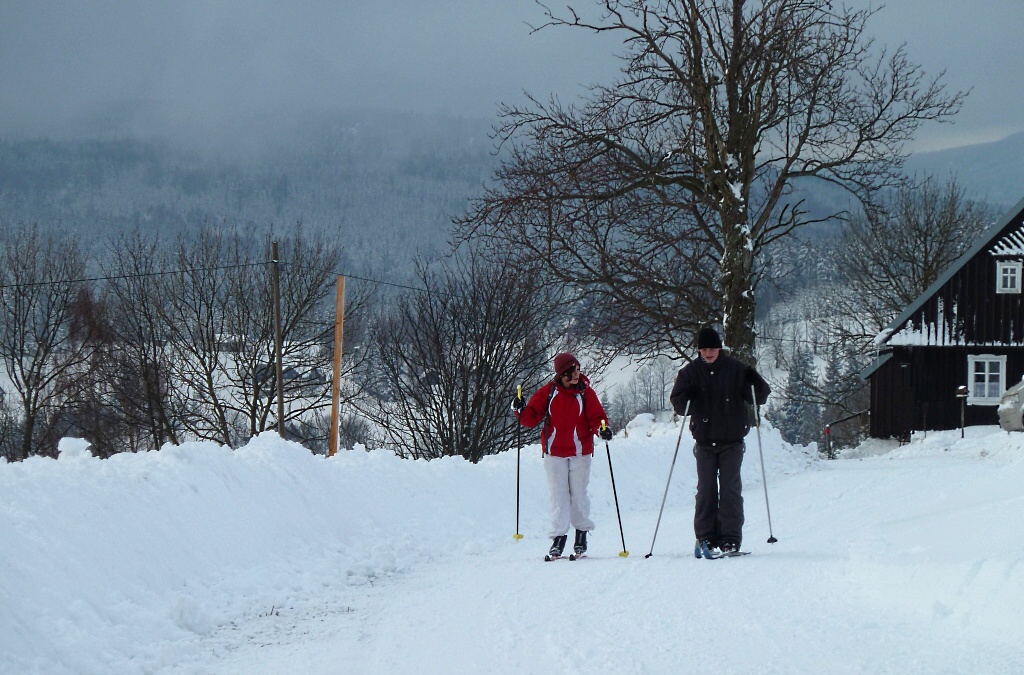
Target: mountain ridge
{"x": 992, "y": 172}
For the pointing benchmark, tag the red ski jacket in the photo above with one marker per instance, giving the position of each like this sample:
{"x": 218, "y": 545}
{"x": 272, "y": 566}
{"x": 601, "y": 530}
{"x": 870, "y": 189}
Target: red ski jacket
{"x": 571, "y": 417}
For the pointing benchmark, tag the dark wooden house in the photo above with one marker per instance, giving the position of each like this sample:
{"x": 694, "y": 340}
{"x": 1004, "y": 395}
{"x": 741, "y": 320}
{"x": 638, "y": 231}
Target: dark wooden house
{"x": 967, "y": 329}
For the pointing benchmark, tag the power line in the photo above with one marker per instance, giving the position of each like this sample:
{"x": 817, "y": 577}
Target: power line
{"x": 795, "y": 340}
{"x": 385, "y": 283}
{"x": 131, "y": 276}
{"x": 141, "y": 275}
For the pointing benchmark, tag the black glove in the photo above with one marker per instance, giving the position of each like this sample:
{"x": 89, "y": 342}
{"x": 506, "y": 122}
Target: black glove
{"x": 518, "y": 404}
{"x": 606, "y": 433}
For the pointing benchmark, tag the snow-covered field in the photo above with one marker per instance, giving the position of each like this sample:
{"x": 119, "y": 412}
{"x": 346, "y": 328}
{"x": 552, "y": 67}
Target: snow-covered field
{"x": 197, "y": 559}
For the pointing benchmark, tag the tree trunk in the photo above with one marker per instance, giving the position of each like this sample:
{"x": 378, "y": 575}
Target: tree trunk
{"x": 737, "y": 288}
{"x": 29, "y": 430}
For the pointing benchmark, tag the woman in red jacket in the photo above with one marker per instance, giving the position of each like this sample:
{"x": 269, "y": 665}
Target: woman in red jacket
{"x": 571, "y": 414}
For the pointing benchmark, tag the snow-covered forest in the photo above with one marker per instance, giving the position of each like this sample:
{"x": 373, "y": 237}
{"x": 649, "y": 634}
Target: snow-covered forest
{"x": 383, "y": 185}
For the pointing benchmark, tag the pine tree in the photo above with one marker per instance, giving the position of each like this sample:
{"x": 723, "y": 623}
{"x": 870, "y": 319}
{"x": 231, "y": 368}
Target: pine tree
{"x": 801, "y": 415}
{"x": 844, "y": 394}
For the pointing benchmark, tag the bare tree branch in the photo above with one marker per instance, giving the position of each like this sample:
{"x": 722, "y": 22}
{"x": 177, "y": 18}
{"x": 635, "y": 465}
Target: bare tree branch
{"x": 687, "y": 163}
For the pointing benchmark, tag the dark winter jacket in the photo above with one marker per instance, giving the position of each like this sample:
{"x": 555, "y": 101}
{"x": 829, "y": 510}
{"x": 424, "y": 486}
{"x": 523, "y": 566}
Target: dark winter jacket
{"x": 574, "y": 416}
{"x": 718, "y": 393}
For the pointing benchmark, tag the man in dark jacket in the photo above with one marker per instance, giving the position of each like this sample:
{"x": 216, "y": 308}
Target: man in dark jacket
{"x": 717, "y": 388}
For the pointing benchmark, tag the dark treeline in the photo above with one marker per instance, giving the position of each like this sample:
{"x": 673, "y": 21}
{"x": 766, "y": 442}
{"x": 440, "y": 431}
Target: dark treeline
{"x": 173, "y": 341}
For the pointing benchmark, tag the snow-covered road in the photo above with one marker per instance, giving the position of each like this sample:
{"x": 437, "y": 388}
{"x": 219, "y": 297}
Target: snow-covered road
{"x": 268, "y": 560}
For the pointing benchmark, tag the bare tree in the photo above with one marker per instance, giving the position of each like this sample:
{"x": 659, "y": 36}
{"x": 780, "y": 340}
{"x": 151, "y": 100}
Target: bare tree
{"x": 219, "y": 322}
{"x": 93, "y": 413}
{"x": 662, "y": 188}
{"x": 885, "y": 258}
{"x": 10, "y": 430}
{"x": 41, "y": 352}
{"x": 308, "y": 282}
{"x": 450, "y": 358}
{"x": 646, "y": 392}
{"x": 139, "y": 358}
{"x": 196, "y": 289}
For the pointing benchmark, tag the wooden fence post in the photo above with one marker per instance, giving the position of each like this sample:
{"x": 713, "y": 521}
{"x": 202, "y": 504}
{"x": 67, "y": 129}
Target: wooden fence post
{"x": 339, "y": 330}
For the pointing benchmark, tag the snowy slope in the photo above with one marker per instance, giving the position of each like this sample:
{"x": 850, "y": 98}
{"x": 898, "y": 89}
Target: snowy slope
{"x": 197, "y": 559}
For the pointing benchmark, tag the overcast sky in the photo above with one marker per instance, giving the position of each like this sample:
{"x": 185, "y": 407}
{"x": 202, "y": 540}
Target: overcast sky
{"x": 200, "y": 66}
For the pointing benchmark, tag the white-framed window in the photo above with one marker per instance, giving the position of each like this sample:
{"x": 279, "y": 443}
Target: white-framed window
{"x": 986, "y": 379}
{"x": 1008, "y": 277}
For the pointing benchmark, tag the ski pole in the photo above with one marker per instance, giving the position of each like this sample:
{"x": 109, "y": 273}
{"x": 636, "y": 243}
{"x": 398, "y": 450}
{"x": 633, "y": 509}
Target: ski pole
{"x": 760, "y": 452}
{"x": 682, "y": 426}
{"x": 611, "y": 471}
{"x": 519, "y": 447}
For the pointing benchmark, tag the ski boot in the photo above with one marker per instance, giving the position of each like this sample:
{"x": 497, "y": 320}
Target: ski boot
{"x": 705, "y": 549}
{"x": 557, "y": 546}
{"x": 580, "y": 546}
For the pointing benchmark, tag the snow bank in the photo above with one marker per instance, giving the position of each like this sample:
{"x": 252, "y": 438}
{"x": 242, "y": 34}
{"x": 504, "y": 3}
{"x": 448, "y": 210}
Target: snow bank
{"x": 170, "y": 560}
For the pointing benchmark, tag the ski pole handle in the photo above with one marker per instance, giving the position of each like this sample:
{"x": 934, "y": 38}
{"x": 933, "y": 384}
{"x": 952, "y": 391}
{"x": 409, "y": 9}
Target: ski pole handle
{"x": 518, "y": 403}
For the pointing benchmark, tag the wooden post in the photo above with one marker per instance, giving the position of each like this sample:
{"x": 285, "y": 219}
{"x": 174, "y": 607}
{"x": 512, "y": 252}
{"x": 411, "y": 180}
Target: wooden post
{"x": 279, "y": 375}
{"x": 339, "y": 330}
{"x": 962, "y": 392}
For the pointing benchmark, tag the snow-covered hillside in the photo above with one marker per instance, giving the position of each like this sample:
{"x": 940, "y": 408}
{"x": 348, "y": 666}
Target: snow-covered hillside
{"x": 199, "y": 559}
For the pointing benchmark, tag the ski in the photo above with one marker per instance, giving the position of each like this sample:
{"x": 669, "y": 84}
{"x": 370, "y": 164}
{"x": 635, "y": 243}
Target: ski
{"x": 550, "y": 558}
{"x": 577, "y": 556}
{"x": 733, "y": 554}
{"x": 702, "y": 551}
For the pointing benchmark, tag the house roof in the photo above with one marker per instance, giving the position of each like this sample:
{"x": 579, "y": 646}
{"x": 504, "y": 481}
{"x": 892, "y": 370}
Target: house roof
{"x": 1008, "y": 245}
{"x": 875, "y": 365}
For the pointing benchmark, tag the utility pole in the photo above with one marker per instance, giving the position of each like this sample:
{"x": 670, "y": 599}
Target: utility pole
{"x": 276, "y": 284}
{"x": 339, "y": 330}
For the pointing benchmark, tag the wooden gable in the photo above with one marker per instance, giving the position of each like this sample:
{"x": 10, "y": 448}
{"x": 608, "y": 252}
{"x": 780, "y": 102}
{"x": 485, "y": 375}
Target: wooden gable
{"x": 965, "y": 307}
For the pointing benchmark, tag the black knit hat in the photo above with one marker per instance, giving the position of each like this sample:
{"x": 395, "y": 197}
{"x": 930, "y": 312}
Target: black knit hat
{"x": 707, "y": 338}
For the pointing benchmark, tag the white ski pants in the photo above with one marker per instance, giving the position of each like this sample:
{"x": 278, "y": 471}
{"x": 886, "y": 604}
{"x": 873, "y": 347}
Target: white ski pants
{"x": 567, "y": 481}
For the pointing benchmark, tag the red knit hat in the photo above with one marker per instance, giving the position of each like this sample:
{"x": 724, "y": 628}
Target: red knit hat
{"x": 564, "y": 362}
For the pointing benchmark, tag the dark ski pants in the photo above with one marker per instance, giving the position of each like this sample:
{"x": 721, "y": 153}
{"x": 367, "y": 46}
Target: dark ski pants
{"x": 718, "y": 515}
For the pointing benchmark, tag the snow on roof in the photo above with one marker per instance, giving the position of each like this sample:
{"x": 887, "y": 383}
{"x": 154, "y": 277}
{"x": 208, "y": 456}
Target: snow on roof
{"x": 1011, "y": 244}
